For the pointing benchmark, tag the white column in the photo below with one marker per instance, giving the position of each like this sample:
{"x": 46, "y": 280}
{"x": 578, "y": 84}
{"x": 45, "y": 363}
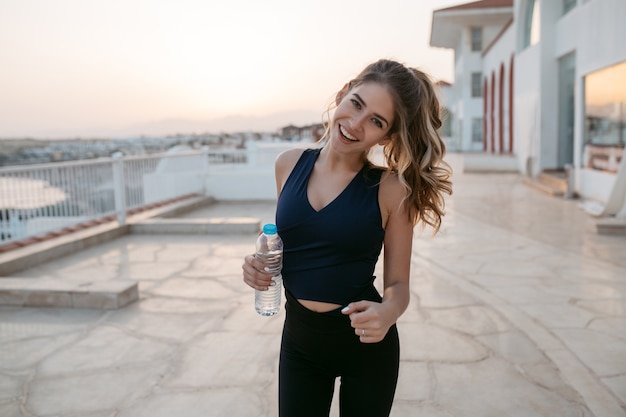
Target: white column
{"x": 119, "y": 187}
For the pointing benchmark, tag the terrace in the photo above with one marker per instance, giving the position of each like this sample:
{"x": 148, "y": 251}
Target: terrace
{"x": 518, "y": 309}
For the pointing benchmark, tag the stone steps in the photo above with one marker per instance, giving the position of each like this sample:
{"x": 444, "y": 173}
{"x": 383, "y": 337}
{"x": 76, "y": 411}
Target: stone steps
{"x": 217, "y": 225}
{"x": 611, "y": 226}
{"x": 47, "y": 292}
{"x": 554, "y": 179}
{"x": 553, "y": 183}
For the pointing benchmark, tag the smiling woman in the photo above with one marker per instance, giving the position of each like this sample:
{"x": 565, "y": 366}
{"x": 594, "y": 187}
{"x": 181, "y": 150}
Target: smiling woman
{"x": 336, "y": 210}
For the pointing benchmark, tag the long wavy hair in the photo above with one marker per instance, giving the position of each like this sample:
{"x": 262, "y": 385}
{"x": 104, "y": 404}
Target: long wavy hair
{"x": 416, "y": 151}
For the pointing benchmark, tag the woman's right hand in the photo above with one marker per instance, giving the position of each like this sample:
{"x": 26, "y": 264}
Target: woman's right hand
{"x": 253, "y": 274}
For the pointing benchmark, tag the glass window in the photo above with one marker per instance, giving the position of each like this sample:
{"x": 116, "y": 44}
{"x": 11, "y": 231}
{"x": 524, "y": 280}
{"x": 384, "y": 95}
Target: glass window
{"x": 477, "y": 130}
{"x": 567, "y": 80}
{"x": 568, "y": 5}
{"x": 531, "y": 24}
{"x": 477, "y": 89}
{"x": 605, "y": 118}
{"x": 477, "y": 39}
{"x": 605, "y": 106}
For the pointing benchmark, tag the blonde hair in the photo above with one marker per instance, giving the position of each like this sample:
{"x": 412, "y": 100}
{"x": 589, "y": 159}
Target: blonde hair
{"x": 416, "y": 150}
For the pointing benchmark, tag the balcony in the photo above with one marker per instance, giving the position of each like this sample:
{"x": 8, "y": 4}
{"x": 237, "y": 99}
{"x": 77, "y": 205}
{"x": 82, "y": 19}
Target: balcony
{"x": 517, "y": 292}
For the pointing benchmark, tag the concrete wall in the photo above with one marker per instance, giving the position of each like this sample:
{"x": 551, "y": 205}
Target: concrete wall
{"x": 457, "y": 96}
{"x": 500, "y": 55}
{"x": 176, "y": 175}
{"x": 241, "y": 183}
{"x": 598, "y": 30}
{"x": 252, "y": 181}
{"x": 526, "y": 120}
{"x": 595, "y": 32}
{"x": 549, "y": 85}
{"x": 467, "y": 107}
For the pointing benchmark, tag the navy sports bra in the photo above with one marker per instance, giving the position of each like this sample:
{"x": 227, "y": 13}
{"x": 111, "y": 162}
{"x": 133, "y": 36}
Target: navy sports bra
{"x": 330, "y": 255}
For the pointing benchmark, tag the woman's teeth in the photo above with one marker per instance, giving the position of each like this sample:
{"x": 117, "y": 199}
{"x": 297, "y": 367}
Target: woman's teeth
{"x": 347, "y": 135}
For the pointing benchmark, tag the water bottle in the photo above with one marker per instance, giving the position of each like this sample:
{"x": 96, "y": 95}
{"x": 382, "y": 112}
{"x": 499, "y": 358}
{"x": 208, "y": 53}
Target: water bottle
{"x": 269, "y": 249}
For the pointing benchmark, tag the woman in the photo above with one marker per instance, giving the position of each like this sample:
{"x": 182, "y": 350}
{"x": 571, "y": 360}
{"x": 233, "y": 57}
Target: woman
{"x": 335, "y": 212}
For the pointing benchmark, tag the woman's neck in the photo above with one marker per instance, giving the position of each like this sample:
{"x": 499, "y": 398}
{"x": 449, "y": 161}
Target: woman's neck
{"x": 334, "y": 161}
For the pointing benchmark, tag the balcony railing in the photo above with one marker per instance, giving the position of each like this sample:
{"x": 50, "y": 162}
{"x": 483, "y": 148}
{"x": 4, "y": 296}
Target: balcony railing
{"x": 43, "y": 198}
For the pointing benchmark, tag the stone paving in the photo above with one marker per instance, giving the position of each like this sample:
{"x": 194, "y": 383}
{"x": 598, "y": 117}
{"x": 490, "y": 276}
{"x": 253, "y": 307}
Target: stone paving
{"x": 518, "y": 310}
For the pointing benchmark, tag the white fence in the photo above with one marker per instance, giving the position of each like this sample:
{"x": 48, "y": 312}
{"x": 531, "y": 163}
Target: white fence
{"x": 38, "y": 199}
{"x": 43, "y": 198}
{"x": 253, "y": 180}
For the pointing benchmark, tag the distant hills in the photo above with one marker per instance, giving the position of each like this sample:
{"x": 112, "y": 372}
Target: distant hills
{"x": 229, "y": 124}
{"x": 235, "y": 123}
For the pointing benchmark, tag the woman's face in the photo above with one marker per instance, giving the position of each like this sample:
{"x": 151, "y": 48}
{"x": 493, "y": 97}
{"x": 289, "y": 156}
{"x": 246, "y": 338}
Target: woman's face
{"x": 363, "y": 117}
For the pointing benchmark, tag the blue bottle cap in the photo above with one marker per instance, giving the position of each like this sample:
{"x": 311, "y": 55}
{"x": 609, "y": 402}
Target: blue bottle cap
{"x": 270, "y": 229}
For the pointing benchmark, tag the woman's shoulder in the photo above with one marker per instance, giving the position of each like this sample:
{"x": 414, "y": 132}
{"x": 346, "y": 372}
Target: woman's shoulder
{"x": 286, "y": 161}
{"x": 392, "y": 191}
{"x": 289, "y": 157}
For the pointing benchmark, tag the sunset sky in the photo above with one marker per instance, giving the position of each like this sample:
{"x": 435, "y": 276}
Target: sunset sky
{"x": 127, "y": 67}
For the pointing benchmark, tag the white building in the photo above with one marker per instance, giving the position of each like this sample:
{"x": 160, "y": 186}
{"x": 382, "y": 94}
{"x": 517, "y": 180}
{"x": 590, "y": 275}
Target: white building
{"x": 545, "y": 81}
{"x": 469, "y": 29}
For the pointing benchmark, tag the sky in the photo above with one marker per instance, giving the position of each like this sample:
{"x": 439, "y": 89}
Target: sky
{"x": 117, "y": 68}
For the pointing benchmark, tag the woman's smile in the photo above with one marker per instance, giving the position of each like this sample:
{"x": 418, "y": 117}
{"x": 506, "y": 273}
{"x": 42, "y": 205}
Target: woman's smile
{"x": 347, "y": 135}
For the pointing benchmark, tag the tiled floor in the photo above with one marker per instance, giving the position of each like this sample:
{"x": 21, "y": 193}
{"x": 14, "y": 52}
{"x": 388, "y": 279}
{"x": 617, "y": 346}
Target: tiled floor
{"x": 518, "y": 309}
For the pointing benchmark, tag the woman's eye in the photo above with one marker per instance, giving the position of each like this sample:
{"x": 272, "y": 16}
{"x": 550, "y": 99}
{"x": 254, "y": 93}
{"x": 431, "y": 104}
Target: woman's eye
{"x": 377, "y": 123}
{"x": 356, "y": 103}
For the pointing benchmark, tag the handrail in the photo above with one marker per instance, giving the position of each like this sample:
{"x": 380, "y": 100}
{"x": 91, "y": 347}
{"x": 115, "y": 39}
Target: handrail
{"x": 39, "y": 199}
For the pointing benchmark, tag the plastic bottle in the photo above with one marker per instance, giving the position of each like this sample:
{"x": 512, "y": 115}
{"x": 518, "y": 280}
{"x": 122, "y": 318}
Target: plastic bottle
{"x": 269, "y": 249}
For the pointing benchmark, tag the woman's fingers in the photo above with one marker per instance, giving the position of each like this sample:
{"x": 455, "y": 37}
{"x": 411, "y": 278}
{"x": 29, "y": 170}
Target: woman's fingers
{"x": 253, "y": 275}
{"x": 370, "y": 335}
{"x": 365, "y": 319}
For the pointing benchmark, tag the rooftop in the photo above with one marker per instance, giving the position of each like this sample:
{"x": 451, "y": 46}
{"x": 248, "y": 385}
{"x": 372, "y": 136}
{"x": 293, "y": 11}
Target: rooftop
{"x": 483, "y": 4}
{"x": 518, "y": 309}
{"x": 449, "y": 23}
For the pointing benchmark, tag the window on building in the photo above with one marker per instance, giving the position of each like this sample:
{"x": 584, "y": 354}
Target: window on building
{"x": 477, "y": 88}
{"x": 477, "y": 130}
{"x": 605, "y": 117}
{"x": 531, "y": 33}
{"x": 566, "y": 112}
{"x": 605, "y": 106}
{"x": 477, "y": 39}
{"x": 568, "y": 5}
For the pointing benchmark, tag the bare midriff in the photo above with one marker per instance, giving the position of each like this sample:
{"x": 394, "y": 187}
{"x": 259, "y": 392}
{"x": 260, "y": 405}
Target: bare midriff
{"x": 319, "y": 306}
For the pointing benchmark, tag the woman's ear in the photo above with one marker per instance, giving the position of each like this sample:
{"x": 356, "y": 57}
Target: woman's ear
{"x": 342, "y": 93}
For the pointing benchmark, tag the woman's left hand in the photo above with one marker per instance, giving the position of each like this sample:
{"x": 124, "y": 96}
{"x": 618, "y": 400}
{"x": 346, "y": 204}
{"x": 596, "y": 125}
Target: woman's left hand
{"x": 371, "y": 321}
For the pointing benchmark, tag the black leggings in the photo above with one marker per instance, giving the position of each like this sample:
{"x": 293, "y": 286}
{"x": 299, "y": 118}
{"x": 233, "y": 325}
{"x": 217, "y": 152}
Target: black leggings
{"x": 318, "y": 347}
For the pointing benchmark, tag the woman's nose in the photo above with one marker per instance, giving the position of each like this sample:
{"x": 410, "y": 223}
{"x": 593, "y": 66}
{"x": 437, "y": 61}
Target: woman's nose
{"x": 358, "y": 122}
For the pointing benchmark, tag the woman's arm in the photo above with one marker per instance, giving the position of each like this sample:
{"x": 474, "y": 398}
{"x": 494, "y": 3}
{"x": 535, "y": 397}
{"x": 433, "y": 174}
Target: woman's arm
{"x": 398, "y": 246}
{"x": 252, "y": 267}
{"x": 284, "y": 164}
{"x": 376, "y": 318}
